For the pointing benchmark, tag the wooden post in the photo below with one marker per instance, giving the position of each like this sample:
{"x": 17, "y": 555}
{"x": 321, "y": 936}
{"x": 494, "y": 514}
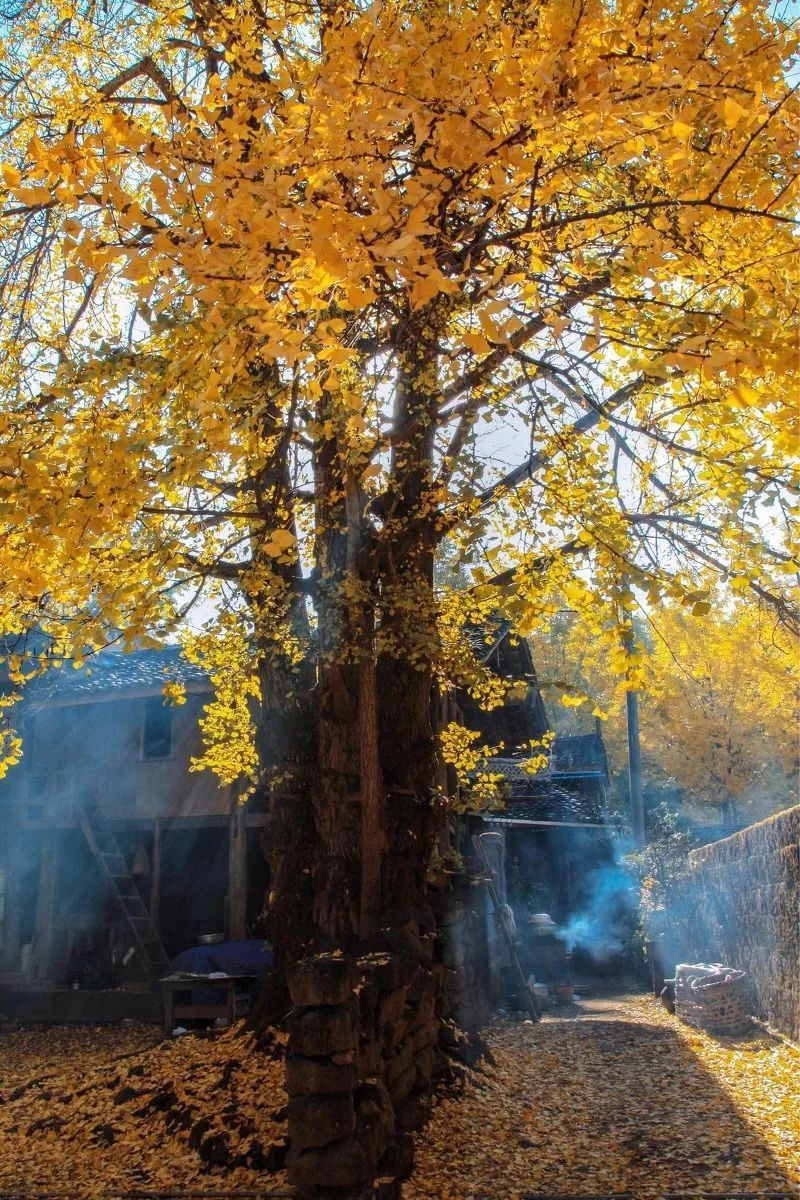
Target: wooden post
{"x": 12, "y": 911}
{"x": 237, "y": 871}
{"x": 527, "y": 995}
{"x": 168, "y": 1004}
{"x": 635, "y": 768}
{"x": 634, "y": 756}
{"x": 41, "y": 958}
{"x": 155, "y": 881}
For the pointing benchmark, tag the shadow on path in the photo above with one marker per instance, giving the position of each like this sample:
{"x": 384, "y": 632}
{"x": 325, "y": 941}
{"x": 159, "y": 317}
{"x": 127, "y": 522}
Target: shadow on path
{"x": 597, "y": 1106}
{"x": 641, "y": 1100}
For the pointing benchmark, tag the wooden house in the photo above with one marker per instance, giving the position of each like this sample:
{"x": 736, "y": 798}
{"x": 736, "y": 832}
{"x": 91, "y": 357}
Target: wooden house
{"x": 115, "y": 855}
{"x": 104, "y": 819}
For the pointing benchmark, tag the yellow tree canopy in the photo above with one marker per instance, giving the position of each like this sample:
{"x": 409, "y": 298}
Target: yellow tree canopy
{"x": 283, "y": 286}
{"x": 720, "y": 713}
{"x": 722, "y": 721}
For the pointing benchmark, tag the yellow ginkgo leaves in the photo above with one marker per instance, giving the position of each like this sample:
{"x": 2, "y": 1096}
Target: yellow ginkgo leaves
{"x": 290, "y": 297}
{"x": 120, "y": 1089}
{"x": 551, "y": 1113}
{"x": 280, "y": 542}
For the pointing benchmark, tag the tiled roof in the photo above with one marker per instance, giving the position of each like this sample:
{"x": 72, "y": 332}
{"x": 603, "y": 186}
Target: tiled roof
{"x": 578, "y": 753}
{"x": 116, "y": 671}
{"x": 512, "y": 770}
{"x": 484, "y": 639}
{"x": 569, "y": 757}
{"x": 554, "y": 803}
{"x": 544, "y": 797}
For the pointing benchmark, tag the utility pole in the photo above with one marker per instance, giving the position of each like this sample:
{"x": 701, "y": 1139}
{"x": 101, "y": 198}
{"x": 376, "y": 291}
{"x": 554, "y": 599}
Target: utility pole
{"x": 634, "y": 753}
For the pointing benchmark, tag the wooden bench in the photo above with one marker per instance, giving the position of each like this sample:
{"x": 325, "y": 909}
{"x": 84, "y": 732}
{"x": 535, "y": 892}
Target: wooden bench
{"x": 176, "y": 996}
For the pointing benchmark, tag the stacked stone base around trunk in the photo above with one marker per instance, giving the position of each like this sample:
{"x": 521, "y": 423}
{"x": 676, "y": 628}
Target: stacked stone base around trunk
{"x": 363, "y": 1054}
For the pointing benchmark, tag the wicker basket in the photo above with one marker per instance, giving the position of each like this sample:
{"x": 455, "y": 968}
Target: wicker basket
{"x": 712, "y": 997}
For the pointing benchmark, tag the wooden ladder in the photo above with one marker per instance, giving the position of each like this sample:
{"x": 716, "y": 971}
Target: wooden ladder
{"x": 114, "y": 869}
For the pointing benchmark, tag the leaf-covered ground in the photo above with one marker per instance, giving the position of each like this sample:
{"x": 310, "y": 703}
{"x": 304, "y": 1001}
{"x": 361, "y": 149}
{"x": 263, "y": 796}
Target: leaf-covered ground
{"x": 622, "y": 1097}
{"x": 612, "y": 1096}
{"x": 87, "y": 1110}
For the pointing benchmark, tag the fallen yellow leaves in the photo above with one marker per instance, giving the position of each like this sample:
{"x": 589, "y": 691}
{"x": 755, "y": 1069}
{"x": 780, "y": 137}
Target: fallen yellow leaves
{"x": 621, "y": 1098}
{"x": 45, "y": 1050}
{"x": 89, "y": 1110}
{"x": 624, "y": 1098}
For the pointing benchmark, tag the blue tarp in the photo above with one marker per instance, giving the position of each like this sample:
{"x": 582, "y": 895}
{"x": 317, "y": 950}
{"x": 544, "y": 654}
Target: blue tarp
{"x": 251, "y": 957}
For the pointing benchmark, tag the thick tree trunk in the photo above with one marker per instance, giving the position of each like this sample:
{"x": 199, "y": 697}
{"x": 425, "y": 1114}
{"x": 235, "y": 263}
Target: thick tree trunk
{"x": 336, "y": 800}
{"x": 353, "y": 853}
{"x": 364, "y": 783}
{"x": 287, "y": 751}
{"x": 409, "y": 766}
{"x": 372, "y": 798}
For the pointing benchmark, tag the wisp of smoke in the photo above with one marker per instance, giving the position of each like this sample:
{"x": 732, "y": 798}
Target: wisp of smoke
{"x": 603, "y": 925}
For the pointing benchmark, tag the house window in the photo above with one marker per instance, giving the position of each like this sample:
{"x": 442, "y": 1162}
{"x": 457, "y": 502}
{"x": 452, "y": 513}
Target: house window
{"x": 157, "y": 731}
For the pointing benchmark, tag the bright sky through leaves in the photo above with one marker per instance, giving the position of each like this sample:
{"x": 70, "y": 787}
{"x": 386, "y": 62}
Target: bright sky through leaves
{"x": 281, "y": 285}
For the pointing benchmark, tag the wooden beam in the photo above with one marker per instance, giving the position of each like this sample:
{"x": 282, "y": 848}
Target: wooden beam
{"x": 609, "y": 826}
{"x": 76, "y": 699}
{"x": 12, "y": 904}
{"x": 42, "y": 952}
{"x": 254, "y": 820}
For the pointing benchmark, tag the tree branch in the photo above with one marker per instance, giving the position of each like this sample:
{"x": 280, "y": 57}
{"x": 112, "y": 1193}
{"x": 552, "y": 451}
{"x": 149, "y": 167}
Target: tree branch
{"x": 537, "y": 460}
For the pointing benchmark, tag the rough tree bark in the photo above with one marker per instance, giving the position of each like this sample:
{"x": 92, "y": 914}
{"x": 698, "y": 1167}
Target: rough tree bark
{"x": 352, "y": 819}
{"x": 349, "y": 850}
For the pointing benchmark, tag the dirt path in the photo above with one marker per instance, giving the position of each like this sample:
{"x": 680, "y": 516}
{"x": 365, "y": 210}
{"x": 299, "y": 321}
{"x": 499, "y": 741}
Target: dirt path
{"x": 616, "y": 1096}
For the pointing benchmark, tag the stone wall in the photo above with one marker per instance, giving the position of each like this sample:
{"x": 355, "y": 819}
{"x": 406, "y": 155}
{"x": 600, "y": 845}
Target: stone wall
{"x": 369, "y": 1036}
{"x": 742, "y": 907}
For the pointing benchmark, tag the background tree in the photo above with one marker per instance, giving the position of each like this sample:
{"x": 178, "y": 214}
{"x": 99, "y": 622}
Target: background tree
{"x": 720, "y": 711}
{"x": 283, "y": 288}
{"x": 723, "y": 718}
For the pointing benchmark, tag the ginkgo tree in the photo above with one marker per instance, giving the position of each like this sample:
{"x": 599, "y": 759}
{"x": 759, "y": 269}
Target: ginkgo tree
{"x": 723, "y": 714}
{"x": 719, "y": 712}
{"x": 292, "y": 293}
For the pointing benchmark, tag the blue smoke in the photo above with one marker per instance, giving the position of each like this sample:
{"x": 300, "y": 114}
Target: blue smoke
{"x": 603, "y": 925}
